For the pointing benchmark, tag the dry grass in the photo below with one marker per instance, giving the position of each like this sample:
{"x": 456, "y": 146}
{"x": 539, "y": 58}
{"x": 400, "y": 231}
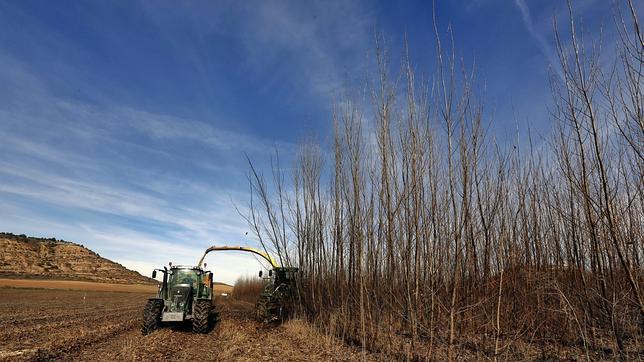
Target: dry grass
{"x": 248, "y": 288}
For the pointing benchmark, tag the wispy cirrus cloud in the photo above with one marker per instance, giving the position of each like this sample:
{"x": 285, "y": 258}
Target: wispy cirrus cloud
{"x": 92, "y": 153}
{"x": 539, "y": 36}
{"x": 118, "y": 172}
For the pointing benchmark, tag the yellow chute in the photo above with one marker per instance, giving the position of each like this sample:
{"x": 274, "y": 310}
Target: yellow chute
{"x": 239, "y": 248}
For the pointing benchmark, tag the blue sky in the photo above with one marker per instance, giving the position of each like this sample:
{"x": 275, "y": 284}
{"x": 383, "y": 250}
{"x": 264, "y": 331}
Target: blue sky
{"x": 124, "y": 124}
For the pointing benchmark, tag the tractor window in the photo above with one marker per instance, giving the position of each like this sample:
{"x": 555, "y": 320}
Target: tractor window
{"x": 181, "y": 276}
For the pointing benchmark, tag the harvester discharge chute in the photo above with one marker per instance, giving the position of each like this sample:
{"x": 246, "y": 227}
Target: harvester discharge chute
{"x": 239, "y": 248}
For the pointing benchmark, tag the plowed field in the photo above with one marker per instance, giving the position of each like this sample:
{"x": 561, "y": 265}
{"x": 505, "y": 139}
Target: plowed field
{"x": 39, "y": 324}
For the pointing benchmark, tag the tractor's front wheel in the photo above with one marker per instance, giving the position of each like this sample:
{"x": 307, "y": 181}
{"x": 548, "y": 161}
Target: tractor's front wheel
{"x": 202, "y": 316}
{"x": 152, "y": 316}
{"x": 261, "y": 308}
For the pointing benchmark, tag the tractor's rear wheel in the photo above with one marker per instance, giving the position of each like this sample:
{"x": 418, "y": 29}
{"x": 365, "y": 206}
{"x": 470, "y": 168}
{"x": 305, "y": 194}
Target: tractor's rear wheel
{"x": 151, "y": 316}
{"x": 201, "y": 317}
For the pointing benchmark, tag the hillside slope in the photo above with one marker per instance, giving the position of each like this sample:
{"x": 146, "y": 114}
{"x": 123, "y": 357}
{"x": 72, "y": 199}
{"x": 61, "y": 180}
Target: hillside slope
{"x": 27, "y": 257}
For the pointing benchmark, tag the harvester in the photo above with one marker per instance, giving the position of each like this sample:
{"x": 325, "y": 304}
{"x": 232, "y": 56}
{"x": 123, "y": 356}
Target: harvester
{"x": 277, "y": 300}
{"x": 185, "y": 295}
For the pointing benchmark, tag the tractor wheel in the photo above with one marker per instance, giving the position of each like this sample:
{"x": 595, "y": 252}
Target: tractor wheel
{"x": 151, "y": 316}
{"x": 261, "y": 309}
{"x": 202, "y": 316}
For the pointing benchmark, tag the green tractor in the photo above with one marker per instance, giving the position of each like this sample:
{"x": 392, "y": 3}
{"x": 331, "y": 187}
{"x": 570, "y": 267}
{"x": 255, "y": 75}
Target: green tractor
{"x": 185, "y": 295}
{"x": 276, "y": 303}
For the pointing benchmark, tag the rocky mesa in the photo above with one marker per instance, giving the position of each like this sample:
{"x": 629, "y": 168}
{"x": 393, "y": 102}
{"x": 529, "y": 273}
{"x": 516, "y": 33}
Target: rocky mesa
{"x": 29, "y": 257}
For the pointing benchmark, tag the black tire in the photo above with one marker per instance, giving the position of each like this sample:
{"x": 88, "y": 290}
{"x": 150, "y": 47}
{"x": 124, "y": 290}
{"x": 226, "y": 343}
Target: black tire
{"x": 152, "y": 316}
{"x": 261, "y": 309}
{"x": 202, "y": 316}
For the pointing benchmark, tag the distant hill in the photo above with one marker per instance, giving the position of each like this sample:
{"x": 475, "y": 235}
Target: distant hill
{"x": 38, "y": 258}
{"x": 220, "y": 287}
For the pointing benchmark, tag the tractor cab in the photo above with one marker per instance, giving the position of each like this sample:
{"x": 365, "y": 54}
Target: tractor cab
{"x": 184, "y": 284}
{"x": 188, "y": 277}
{"x": 285, "y": 276}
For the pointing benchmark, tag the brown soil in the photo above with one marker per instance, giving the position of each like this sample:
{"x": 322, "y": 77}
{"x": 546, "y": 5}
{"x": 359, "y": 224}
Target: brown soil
{"x": 77, "y": 285}
{"x": 99, "y": 287}
{"x": 94, "y": 325}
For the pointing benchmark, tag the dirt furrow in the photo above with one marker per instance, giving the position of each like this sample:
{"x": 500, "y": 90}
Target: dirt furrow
{"x": 63, "y": 347}
{"x": 111, "y": 331}
{"x": 40, "y": 319}
{"x": 17, "y": 336}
